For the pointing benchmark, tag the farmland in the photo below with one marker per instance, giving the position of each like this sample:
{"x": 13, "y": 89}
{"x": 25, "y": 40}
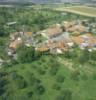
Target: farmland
{"x": 82, "y": 10}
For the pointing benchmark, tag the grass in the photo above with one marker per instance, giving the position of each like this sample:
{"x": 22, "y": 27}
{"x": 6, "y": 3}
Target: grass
{"x": 83, "y": 88}
{"x": 81, "y": 10}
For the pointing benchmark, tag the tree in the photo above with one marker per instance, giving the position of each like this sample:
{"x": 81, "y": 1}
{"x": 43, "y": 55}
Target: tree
{"x": 93, "y": 55}
{"x": 70, "y": 54}
{"x": 30, "y": 94}
{"x": 27, "y": 54}
{"x": 3, "y": 82}
{"x": 40, "y": 89}
{"x": 60, "y": 78}
{"x": 54, "y": 69}
{"x": 56, "y": 86}
{"x": 65, "y": 95}
{"x": 75, "y": 75}
{"x": 84, "y": 57}
{"x": 20, "y": 83}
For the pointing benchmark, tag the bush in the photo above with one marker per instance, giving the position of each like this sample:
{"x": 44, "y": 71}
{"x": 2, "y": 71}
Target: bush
{"x": 60, "y": 78}
{"x": 21, "y": 84}
{"x": 75, "y": 75}
{"x": 56, "y": 87}
{"x": 30, "y": 94}
{"x": 84, "y": 57}
{"x": 94, "y": 76}
{"x": 65, "y": 95}
{"x": 34, "y": 80}
{"x": 70, "y": 54}
{"x": 2, "y": 74}
{"x": 26, "y": 54}
{"x": 2, "y": 91}
{"x": 54, "y": 68}
{"x": 84, "y": 77}
{"x": 3, "y": 83}
{"x": 41, "y": 72}
{"x": 19, "y": 81}
{"x": 40, "y": 89}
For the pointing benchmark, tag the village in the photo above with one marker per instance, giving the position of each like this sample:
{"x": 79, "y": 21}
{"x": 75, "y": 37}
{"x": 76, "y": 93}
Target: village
{"x": 57, "y": 38}
{"x": 48, "y": 52}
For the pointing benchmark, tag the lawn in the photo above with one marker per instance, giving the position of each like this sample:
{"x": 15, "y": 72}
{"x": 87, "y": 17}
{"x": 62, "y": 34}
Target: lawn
{"x": 55, "y": 77}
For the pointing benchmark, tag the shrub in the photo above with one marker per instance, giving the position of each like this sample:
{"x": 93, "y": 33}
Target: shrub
{"x": 54, "y": 68}
{"x": 65, "y": 95}
{"x": 60, "y": 78}
{"x": 21, "y": 84}
{"x": 19, "y": 81}
{"x": 26, "y": 54}
{"x": 94, "y": 76}
{"x": 41, "y": 72}
{"x": 75, "y": 75}
{"x": 84, "y": 77}
{"x": 2, "y": 91}
{"x": 30, "y": 94}
{"x": 56, "y": 87}
{"x": 34, "y": 80}
{"x": 40, "y": 89}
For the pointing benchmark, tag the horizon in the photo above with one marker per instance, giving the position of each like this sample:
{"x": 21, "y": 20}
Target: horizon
{"x": 48, "y": 1}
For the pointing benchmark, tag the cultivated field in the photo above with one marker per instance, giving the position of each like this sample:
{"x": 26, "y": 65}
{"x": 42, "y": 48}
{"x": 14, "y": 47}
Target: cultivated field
{"x": 82, "y": 10}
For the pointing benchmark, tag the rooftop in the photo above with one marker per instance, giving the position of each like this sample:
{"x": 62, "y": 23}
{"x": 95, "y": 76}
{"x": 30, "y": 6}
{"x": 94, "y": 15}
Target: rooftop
{"x": 16, "y": 43}
{"x": 53, "y": 31}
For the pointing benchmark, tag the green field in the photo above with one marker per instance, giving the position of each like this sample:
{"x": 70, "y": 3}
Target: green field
{"x": 58, "y": 79}
{"x": 82, "y": 10}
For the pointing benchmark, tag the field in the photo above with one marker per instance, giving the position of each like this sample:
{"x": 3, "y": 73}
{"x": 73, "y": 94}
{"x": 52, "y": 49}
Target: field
{"x": 55, "y": 77}
{"x": 82, "y": 10}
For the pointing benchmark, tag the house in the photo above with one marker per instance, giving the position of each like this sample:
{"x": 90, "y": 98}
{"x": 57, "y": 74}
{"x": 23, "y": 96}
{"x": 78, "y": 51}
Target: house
{"x": 77, "y": 28}
{"x": 28, "y": 34}
{"x": 85, "y": 40}
{"x": 42, "y": 48}
{"x": 14, "y": 35}
{"x": 53, "y": 31}
{"x": 53, "y": 46}
{"x": 16, "y": 43}
{"x": 67, "y": 25}
{"x": 74, "y": 26}
{"x": 61, "y": 43}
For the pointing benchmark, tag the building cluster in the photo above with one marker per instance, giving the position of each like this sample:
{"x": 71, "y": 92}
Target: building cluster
{"x": 59, "y": 38}
{"x": 63, "y": 37}
{"x": 17, "y": 39}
